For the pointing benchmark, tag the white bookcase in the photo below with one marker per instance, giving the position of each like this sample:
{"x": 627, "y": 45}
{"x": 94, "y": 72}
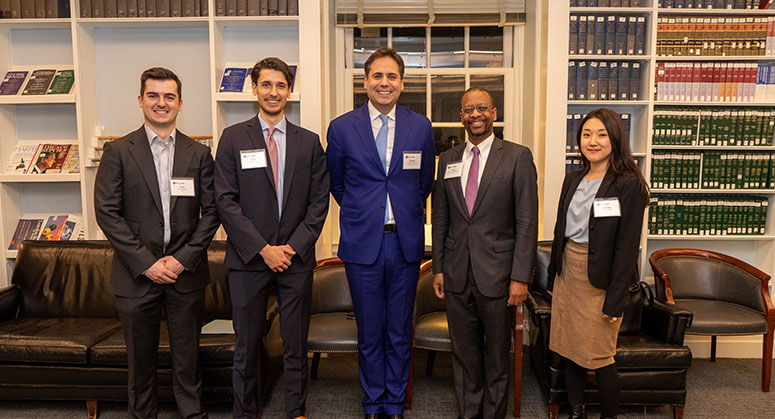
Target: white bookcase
{"x": 757, "y": 250}
{"x": 108, "y": 56}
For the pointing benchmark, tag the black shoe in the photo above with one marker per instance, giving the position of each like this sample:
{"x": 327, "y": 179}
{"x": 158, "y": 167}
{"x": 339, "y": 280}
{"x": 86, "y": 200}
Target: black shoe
{"x": 608, "y": 417}
{"x": 373, "y": 416}
{"x": 398, "y": 416}
{"x": 577, "y": 412}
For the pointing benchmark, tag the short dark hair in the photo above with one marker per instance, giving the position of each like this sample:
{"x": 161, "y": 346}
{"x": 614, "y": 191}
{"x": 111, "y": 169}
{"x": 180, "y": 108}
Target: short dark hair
{"x": 272, "y": 63}
{"x": 477, "y": 89}
{"x": 160, "y": 73}
{"x": 384, "y": 52}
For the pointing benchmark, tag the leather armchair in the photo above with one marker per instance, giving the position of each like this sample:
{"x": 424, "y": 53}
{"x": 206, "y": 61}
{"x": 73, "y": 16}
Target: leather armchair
{"x": 727, "y": 296}
{"x": 332, "y": 325}
{"x": 650, "y": 356}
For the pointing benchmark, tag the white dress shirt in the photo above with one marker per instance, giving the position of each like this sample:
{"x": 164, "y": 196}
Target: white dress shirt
{"x": 376, "y": 124}
{"x": 164, "y": 168}
{"x": 468, "y": 155}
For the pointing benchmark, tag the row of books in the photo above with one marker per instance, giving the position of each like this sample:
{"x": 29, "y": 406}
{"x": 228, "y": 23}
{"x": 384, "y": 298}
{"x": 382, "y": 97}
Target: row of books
{"x": 715, "y": 36}
{"x": 38, "y": 82}
{"x": 142, "y": 8}
{"x": 607, "y": 35}
{"x": 716, "y": 82}
{"x": 573, "y": 124}
{"x": 604, "y": 80}
{"x": 34, "y": 9}
{"x": 713, "y": 126}
{"x": 712, "y": 4}
{"x": 29, "y": 157}
{"x": 237, "y": 79}
{"x": 711, "y": 215}
{"x": 712, "y": 170}
{"x": 607, "y": 3}
{"x": 54, "y": 227}
{"x": 256, "y": 7}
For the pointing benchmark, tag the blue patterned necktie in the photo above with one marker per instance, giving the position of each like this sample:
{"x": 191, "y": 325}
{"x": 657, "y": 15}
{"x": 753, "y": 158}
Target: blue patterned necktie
{"x": 382, "y": 138}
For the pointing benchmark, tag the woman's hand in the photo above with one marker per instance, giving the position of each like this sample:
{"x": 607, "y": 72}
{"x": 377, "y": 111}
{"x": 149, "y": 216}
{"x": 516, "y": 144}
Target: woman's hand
{"x": 610, "y": 319}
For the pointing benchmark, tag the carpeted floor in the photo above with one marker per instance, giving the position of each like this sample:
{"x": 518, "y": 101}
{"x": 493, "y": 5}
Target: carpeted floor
{"x": 728, "y": 388}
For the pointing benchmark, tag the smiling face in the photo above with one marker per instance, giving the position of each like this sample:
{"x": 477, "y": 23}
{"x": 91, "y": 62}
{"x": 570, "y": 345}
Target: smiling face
{"x": 477, "y": 115}
{"x": 595, "y": 143}
{"x": 160, "y": 104}
{"x": 272, "y": 91}
{"x": 383, "y": 84}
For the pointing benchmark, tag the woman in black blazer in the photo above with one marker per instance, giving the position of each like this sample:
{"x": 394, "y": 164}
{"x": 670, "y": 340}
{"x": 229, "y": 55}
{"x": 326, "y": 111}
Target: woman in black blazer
{"x": 594, "y": 257}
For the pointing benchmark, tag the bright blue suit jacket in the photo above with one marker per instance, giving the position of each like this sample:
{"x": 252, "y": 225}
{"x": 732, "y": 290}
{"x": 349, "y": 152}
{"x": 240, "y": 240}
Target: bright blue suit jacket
{"x": 360, "y": 185}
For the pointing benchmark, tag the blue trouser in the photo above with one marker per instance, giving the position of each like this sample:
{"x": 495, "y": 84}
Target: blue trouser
{"x": 383, "y": 296}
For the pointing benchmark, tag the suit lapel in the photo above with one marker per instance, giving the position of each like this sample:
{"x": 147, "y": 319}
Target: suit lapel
{"x": 608, "y": 180}
{"x": 490, "y": 167}
{"x": 256, "y": 135}
{"x": 363, "y": 127}
{"x": 291, "y": 153}
{"x": 568, "y": 193}
{"x": 402, "y": 135}
{"x": 141, "y": 153}
{"x": 457, "y": 188}
{"x": 181, "y": 160}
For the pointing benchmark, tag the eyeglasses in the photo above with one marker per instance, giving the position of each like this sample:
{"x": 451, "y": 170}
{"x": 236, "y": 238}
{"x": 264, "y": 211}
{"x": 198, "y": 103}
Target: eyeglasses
{"x": 481, "y": 108}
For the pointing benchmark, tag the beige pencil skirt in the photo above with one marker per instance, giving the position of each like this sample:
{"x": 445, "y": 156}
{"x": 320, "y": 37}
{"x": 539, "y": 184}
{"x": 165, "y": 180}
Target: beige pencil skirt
{"x": 578, "y": 330}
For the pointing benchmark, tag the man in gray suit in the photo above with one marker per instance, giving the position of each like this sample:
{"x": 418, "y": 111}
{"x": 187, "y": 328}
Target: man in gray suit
{"x": 155, "y": 202}
{"x": 485, "y": 228}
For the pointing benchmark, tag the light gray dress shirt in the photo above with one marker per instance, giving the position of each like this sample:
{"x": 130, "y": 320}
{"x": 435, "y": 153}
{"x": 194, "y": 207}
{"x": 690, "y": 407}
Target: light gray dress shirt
{"x": 577, "y": 218}
{"x": 163, "y": 159}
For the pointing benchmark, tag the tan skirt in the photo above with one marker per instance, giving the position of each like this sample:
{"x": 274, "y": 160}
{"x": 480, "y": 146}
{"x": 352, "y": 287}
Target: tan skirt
{"x": 578, "y": 330}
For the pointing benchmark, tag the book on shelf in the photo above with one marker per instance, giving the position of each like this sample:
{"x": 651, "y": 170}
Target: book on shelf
{"x": 12, "y": 82}
{"x": 607, "y": 35}
{"x": 606, "y": 3}
{"x": 233, "y": 79}
{"x": 713, "y": 126}
{"x": 748, "y": 82}
{"x": 52, "y": 228}
{"x": 26, "y": 229}
{"x": 604, "y": 80}
{"x": 62, "y": 84}
{"x": 39, "y": 82}
{"x": 49, "y": 159}
{"x": 713, "y": 36}
{"x": 256, "y": 7}
{"x": 673, "y": 169}
{"x": 707, "y": 215}
{"x": 21, "y": 157}
{"x": 72, "y": 163}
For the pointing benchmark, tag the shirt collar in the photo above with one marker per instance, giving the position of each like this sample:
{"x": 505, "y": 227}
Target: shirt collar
{"x": 151, "y": 135}
{"x": 265, "y": 126}
{"x": 374, "y": 113}
{"x": 484, "y": 146}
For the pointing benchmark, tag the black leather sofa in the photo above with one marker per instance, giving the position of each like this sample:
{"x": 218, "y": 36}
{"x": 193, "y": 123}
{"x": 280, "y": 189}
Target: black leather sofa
{"x": 60, "y": 337}
{"x": 651, "y": 358}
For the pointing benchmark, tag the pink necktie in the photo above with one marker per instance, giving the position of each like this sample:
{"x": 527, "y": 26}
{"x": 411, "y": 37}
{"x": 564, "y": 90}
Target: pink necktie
{"x": 271, "y": 146}
{"x": 471, "y": 183}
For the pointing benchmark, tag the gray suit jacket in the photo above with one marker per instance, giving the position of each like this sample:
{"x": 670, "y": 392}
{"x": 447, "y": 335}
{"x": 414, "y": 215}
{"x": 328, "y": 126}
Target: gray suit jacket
{"x": 128, "y": 210}
{"x": 499, "y": 238}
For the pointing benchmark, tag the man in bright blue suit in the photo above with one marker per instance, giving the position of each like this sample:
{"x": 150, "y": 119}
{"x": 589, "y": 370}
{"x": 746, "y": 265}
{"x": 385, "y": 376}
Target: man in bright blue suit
{"x": 381, "y": 161}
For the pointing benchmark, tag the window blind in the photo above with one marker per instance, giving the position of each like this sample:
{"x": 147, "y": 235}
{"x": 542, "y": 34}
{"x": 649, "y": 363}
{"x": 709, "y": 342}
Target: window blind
{"x": 362, "y": 13}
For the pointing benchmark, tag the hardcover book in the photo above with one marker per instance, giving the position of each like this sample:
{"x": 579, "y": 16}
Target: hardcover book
{"x": 12, "y": 82}
{"x": 62, "y": 83}
{"x": 39, "y": 82}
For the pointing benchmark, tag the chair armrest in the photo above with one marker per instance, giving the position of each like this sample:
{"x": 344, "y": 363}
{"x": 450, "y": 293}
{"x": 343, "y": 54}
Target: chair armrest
{"x": 666, "y": 322}
{"x": 539, "y": 306}
{"x": 10, "y": 298}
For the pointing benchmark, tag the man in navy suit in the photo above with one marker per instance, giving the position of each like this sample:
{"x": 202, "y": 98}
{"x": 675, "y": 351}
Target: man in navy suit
{"x": 381, "y": 161}
{"x": 271, "y": 190}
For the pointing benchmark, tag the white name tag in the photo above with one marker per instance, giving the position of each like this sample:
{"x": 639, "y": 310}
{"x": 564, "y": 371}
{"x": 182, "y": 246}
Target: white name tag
{"x": 182, "y": 186}
{"x": 252, "y": 159}
{"x": 454, "y": 169}
{"x": 607, "y": 207}
{"x": 412, "y": 160}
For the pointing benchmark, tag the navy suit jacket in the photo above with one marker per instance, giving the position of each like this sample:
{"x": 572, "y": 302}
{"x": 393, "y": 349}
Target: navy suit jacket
{"x": 360, "y": 185}
{"x": 247, "y": 202}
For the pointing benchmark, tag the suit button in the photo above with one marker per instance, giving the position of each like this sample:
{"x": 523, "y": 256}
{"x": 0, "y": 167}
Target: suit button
{"x": 591, "y": 227}
{"x": 387, "y": 181}
{"x": 161, "y": 223}
{"x": 591, "y": 251}
{"x": 381, "y": 207}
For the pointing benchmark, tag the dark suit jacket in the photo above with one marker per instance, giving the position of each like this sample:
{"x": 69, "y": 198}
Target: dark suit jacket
{"x": 613, "y": 241}
{"x": 500, "y": 236}
{"x": 247, "y": 202}
{"x": 360, "y": 186}
{"x": 128, "y": 210}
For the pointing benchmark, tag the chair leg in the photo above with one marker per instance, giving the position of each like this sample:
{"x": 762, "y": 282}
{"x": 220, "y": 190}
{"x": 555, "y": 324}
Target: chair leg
{"x": 518, "y": 361}
{"x": 258, "y": 410}
{"x": 554, "y": 411}
{"x": 678, "y": 411}
{"x": 411, "y": 380}
{"x": 429, "y": 363}
{"x": 767, "y": 358}
{"x": 91, "y": 408}
{"x": 315, "y": 363}
{"x": 713, "y": 348}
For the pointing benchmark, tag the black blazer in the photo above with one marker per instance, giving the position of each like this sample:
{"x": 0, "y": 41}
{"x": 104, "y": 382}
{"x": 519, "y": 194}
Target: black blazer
{"x": 247, "y": 203}
{"x": 613, "y": 241}
{"x": 128, "y": 209}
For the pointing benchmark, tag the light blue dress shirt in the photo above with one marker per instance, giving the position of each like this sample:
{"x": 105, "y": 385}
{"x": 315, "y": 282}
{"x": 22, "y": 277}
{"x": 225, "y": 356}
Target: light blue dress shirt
{"x": 577, "y": 218}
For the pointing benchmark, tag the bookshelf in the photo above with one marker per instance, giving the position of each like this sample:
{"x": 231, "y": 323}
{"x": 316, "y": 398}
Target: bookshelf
{"x": 108, "y": 56}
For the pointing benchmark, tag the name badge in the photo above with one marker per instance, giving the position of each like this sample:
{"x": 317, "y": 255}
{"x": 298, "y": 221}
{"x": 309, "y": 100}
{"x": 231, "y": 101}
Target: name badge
{"x": 607, "y": 207}
{"x": 412, "y": 160}
{"x": 454, "y": 169}
{"x": 252, "y": 159}
{"x": 182, "y": 186}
